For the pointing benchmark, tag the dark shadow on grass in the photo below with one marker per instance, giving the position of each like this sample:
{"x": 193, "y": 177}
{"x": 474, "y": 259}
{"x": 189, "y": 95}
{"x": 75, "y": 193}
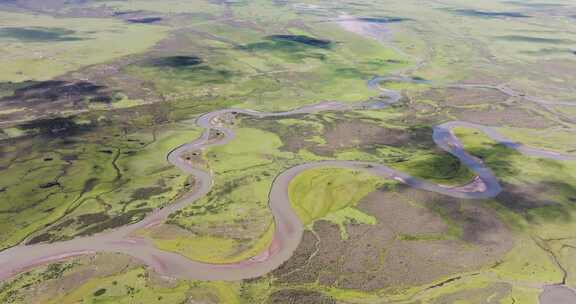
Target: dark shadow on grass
{"x": 384, "y": 19}
{"x": 292, "y": 47}
{"x": 497, "y": 158}
{"x": 57, "y": 90}
{"x": 180, "y": 61}
{"x": 530, "y": 39}
{"x": 189, "y": 68}
{"x": 487, "y": 14}
{"x": 540, "y": 202}
{"x": 302, "y": 39}
{"x": 145, "y": 20}
{"x": 550, "y": 51}
{"x": 535, "y": 4}
{"x": 39, "y": 34}
{"x": 60, "y": 127}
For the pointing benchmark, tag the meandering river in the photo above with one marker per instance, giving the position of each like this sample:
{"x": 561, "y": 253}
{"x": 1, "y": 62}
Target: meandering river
{"x": 289, "y": 229}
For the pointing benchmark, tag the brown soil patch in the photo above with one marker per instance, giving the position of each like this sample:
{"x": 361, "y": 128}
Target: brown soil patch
{"x": 524, "y": 198}
{"x": 340, "y": 133}
{"x": 380, "y": 256}
{"x": 508, "y": 116}
{"x": 351, "y": 134}
{"x": 465, "y": 96}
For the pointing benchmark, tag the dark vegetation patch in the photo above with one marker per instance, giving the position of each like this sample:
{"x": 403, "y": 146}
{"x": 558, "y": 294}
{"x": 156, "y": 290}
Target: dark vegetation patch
{"x": 176, "y": 61}
{"x": 497, "y": 158}
{"x": 532, "y": 39}
{"x": 549, "y": 51}
{"x": 350, "y": 73}
{"x": 189, "y": 68}
{"x": 44, "y": 237}
{"x": 56, "y": 270}
{"x": 145, "y": 20}
{"x": 89, "y": 224}
{"x": 383, "y": 19}
{"x": 290, "y": 296}
{"x": 341, "y": 133}
{"x": 351, "y": 134}
{"x": 55, "y": 127}
{"x": 39, "y": 34}
{"x": 445, "y": 224}
{"x": 295, "y": 47}
{"x": 302, "y": 39}
{"x": 49, "y": 185}
{"x": 123, "y": 13}
{"x": 477, "y": 225}
{"x": 77, "y": 169}
{"x": 539, "y": 202}
{"x": 146, "y": 193}
{"x": 8, "y": 87}
{"x": 536, "y": 4}
{"x": 100, "y": 292}
{"x": 439, "y": 167}
{"x": 522, "y": 199}
{"x": 90, "y": 184}
{"x": 488, "y": 14}
{"x": 92, "y": 218}
{"x": 128, "y": 217}
{"x": 57, "y": 91}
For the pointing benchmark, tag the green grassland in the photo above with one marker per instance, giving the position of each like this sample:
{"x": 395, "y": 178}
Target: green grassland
{"x": 89, "y": 183}
{"x": 263, "y": 72}
{"x": 537, "y": 223}
{"x": 170, "y": 6}
{"x": 233, "y": 220}
{"x": 527, "y": 262}
{"x": 128, "y": 283}
{"x": 108, "y": 167}
{"x": 38, "y": 47}
{"x": 554, "y": 140}
{"x": 234, "y": 216}
{"x": 331, "y": 194}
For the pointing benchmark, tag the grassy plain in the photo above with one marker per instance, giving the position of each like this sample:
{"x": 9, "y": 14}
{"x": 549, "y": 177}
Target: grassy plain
{"x": 80, "y": 189}
{"x": 331, "y": 194}
{"x": 39, "y": 47}
{"x": 107, "y": 168}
